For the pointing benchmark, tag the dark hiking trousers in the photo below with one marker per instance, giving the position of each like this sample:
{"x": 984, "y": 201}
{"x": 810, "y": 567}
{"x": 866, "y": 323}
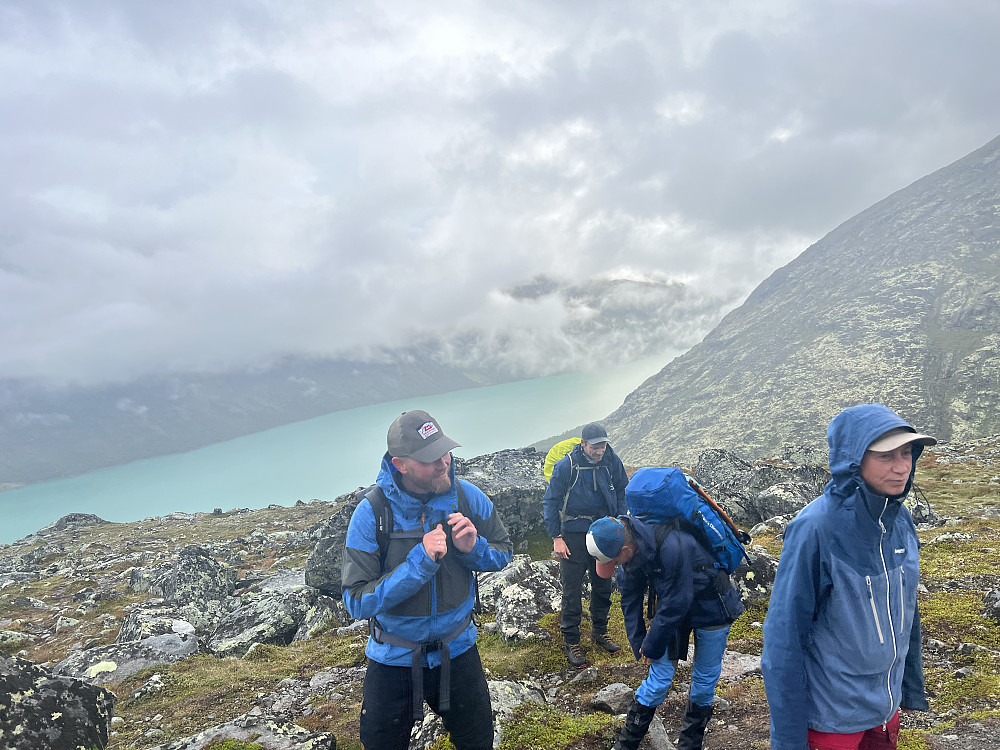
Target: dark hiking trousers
{"x": 571, "y": 574}
{"x": 387, "y": 712}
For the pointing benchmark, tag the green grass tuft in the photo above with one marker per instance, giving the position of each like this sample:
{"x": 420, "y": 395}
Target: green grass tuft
{"x": 536, "y": 726}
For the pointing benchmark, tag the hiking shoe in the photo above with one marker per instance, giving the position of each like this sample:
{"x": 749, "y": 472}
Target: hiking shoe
{"x": 602, "y": 640}
{"x": 574, "y": 653}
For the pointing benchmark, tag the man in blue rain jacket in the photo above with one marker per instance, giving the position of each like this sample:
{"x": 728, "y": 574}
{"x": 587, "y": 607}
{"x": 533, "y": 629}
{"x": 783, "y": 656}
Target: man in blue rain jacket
{"x": 842, "y": 635}
{"x": 420, "y": 598}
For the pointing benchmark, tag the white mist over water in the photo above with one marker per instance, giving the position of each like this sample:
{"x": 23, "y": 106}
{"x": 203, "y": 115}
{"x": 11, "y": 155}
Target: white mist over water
{"x": 323, "y": 457}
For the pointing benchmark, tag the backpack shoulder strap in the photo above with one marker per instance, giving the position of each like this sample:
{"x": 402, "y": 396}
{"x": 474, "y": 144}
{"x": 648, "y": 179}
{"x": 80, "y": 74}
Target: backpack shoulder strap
{"x": 383, "y": 518}
{"x": 466, "y": 510}
{"x": 574, "y": 477}
{"x": 463, "y": 502}
{"x": 663, "y": 531}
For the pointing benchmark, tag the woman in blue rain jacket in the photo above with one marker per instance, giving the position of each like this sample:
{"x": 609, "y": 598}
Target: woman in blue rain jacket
{"x": 842, "y": 633}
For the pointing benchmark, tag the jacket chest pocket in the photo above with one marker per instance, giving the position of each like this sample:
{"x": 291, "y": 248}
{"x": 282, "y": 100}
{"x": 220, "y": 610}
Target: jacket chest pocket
{"x": 856, "y": 615}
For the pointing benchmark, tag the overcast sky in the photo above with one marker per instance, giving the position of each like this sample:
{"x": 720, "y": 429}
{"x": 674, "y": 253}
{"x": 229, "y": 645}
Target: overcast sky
{"x": 201, "y": 185}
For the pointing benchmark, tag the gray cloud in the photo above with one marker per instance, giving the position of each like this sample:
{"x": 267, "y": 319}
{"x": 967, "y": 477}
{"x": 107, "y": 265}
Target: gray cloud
{"x": 199, "y": 186}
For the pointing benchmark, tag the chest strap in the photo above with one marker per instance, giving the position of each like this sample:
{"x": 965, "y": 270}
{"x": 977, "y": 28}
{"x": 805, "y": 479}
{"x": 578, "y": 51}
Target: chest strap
{"x": 417, "y": 663}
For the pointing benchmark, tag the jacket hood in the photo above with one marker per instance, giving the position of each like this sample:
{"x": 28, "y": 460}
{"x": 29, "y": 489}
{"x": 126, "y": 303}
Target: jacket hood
{"x": 849, "y": 435}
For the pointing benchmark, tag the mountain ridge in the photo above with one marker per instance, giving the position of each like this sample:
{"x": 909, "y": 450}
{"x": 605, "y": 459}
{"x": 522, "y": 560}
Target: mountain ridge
{"x": 899, "y": 304}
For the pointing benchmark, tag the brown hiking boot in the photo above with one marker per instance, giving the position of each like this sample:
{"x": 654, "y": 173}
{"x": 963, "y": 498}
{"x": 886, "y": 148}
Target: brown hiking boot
{"x": 574, "y": 653}
{"x": 602, "y": 640}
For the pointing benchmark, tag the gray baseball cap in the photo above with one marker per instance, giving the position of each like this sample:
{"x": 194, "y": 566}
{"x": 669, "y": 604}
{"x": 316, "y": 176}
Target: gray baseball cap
{"x": 417, "y": 435}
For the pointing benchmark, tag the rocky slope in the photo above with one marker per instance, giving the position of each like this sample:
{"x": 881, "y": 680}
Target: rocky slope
{"x": 181, "y": 631}
{"x": 900, "y": 304}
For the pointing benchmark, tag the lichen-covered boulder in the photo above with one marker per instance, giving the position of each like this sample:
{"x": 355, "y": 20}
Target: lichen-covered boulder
{"x": 152, "y": 580}
{"x": 521, "y": 568}
{"x": 14, "y": 637}
{"x": 271, "y": 617}
{"x": 754, "y": 580}
{"x": 784, "y": 499}
{"x": 533, "y": 593}
{"x": 153, "y": 617}
{"x": 324, "y": 613}
{"x": 266, "y": 731}
{"x": 41, "y": 710}
{"x": 322, "y": 570}
{"x": 505, "y": 696}
{"x": 109, "y": 665}
{"x": 199, "y": 578}
{"x": 735, "y": 482}
{"x": 514, "y": 482}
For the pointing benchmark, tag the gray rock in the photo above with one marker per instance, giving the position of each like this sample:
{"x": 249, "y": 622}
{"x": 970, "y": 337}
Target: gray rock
{"x": 737, "y": 483}
{"x": 322, "y": 570}
{"x": 270, "y": 732}
{"x": 514, "y": 482}
{"x": 519, "y": 570}
{"x": 284, "y": 581}
{"x": 29, "y": 601}
{"x": 784, "y": 499}
{"x": 613, "y": 699}
{"x": 755, "y": 580}
{"x": 324, "y": 613}
{"x": 294, "y": 697}
{"x": 991, "y": 605}
{"x": 14, "y": 637}
{"x": 70, "y": 522}
{"x": 505, "y": 696}
{"x": 153, "y": 617}
{"x": 108, "y": 665}
{"x": 736, "y": 666}
{"x": 151, "y": 580}
{"x": 520, "y": 606}
{"x": 923, "y": 514}
{"x": 41, "y": 710}
{"x": 777, "y": 523}
{"x": 270, "y": 618}
{"x": 14, "y": 578}
{"x": 153, "y": 685}
{"x": 198, "y": 578}
{"x": 656, "y": 736}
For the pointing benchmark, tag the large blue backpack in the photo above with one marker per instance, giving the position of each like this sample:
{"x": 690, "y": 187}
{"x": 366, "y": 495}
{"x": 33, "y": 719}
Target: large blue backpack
{"x": 664, "y": 495}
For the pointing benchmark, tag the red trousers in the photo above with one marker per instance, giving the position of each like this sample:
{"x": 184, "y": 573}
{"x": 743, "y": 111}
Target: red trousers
{"x": 876, "y": 738}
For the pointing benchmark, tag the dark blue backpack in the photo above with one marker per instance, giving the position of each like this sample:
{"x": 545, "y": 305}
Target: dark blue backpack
{"x": 666, "y": 495}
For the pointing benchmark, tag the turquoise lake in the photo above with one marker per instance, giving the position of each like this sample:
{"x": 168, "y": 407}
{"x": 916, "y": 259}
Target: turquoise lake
{"x": 323, "y": 457}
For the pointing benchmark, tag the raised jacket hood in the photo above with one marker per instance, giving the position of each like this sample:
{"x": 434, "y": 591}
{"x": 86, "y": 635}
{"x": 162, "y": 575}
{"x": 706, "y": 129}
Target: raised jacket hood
{"x": 849, "y": 435}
